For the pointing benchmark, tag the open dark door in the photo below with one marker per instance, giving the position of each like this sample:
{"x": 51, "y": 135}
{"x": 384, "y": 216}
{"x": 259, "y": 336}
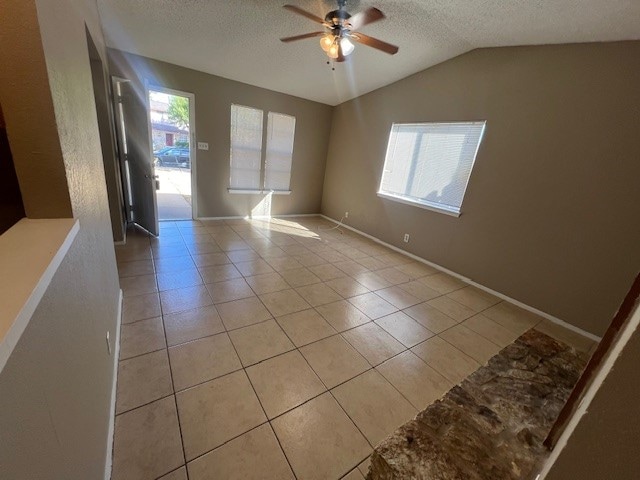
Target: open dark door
{"x": 135, "y": 155}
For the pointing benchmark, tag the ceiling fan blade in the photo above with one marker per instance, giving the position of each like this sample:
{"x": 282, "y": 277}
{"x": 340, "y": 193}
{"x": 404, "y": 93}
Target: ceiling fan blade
{"x": 365, "y": 17}
{"x": 375, "y": 43}
{"x": 304, "y": 13}
{"x": 302, "y": 37}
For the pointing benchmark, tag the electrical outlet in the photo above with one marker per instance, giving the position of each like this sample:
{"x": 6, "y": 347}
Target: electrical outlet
{"x": 406, "y": 238}
{"x": 346, "y": 214}
{"x": 203, "y": 146}
{"x": 108, "y": 343}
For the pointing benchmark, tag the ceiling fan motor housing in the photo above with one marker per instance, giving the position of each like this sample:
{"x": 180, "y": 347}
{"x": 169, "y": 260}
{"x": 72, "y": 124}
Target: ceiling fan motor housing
{"x": 337, "y": 18}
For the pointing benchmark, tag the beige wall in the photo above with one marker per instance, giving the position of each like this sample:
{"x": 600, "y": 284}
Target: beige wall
{"x": 55, "y": 389}
{"x": 213, "y": 98}
{"x": 28, "y": 111}
{"x": 604, "y": 444}
{"x": 551, "y": 213}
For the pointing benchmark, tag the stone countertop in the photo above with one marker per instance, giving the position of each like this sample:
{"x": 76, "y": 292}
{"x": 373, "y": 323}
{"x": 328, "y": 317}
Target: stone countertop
{"x": 492, "y": 425}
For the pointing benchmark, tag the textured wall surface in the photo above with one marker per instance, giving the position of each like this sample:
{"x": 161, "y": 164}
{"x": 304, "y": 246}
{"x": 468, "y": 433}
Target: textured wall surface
{"x": 551, "y": 214}
{"x": 104, "y": 111}
{"x": 213, "y": 99}
{"x": 55, "y": 389}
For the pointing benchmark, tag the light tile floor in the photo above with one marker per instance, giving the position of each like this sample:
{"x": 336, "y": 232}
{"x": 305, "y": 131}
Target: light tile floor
{"x": 286, "y": 349}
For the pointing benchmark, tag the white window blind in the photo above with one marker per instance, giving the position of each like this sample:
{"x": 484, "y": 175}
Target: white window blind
{"x": 429, "y": 164}
{"x": 246, "y": 148}
{"x": 280, "y": 133}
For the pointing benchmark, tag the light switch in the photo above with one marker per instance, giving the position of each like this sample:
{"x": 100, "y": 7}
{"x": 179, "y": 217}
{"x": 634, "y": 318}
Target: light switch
{"x": 203, "y": 146}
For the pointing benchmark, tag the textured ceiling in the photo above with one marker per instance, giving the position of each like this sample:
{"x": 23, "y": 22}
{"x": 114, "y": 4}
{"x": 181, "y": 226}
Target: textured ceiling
{"x": 239, "y": 39}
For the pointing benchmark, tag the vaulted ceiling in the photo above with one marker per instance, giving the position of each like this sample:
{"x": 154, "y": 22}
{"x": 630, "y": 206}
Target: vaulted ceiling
{"x": 239, "y": 39}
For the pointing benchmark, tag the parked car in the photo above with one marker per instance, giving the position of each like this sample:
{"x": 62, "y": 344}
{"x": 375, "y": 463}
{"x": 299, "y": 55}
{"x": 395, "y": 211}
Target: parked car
{"x": 162, "y": 151}
{"x": 173, "y": 157}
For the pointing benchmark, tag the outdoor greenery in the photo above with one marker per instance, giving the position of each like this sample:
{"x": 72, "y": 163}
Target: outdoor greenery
{"x": 178, "y": 111}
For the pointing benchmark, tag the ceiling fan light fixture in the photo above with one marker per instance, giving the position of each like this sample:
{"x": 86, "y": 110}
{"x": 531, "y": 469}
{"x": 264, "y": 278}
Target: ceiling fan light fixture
{"x": 326, "y": 41}
{"x": 334, "y": 50}
{"x": 346, "y": 46}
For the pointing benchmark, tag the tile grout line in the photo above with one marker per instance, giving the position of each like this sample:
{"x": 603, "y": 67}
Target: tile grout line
{"x": 328, "y": 390}
{"x": 262, "y": 406}
{"x": 235, "y": 437}
{"x": 256, "y": 393}
{"x": 296, "y": 348}
{"x": 375, "y": 367}
{"x": 173, "y": 387}
{"x": 258, "y": 363}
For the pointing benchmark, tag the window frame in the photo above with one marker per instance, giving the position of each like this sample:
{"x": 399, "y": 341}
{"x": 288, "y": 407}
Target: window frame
{"x": 426, "y": 204}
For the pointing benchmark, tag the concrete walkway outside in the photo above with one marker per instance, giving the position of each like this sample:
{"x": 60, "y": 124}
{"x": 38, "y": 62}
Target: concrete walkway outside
{"x": 174, "y": 195}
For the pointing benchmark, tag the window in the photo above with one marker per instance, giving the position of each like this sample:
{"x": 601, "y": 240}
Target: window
{"x": 429, "y": 164}
{"x": 246, "y": 151}
{"x": 277, "y": 170}
{"x": 246, "y": 148}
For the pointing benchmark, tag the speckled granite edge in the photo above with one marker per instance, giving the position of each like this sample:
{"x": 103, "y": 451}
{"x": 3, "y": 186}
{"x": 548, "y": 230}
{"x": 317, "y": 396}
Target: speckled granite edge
{"x": 492, "y": 425}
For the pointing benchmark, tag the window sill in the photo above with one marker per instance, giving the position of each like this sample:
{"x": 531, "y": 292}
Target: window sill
{"x": 426, "y": 206}
{"x": 240, "y": 191}
{"x": 30, "y": 253}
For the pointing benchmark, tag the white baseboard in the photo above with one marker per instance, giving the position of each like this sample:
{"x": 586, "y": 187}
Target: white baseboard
{"x": 124, "y": 237}
{"x": 112, "y": 407}
{"x": 289, "y": 215}
{"x": 260, "y": 217}
{"x": 513, "y": 301}
{"x": 222, "y": 218}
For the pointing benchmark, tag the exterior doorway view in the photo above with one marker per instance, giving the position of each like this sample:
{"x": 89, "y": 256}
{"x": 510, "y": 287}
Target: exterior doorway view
{"x": 170, "y": 115}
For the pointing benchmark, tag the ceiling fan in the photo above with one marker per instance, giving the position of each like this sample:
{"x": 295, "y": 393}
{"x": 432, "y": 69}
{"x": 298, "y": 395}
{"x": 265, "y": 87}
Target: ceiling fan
{"x": 340, "y": 29}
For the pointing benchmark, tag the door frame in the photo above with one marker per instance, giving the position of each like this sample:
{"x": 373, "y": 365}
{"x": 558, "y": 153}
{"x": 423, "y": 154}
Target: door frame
{"x": 192, "y": 135}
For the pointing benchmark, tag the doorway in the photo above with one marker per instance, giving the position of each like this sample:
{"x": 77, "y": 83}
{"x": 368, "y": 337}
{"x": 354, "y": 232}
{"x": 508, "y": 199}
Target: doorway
{"x": 172, "y": 127}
